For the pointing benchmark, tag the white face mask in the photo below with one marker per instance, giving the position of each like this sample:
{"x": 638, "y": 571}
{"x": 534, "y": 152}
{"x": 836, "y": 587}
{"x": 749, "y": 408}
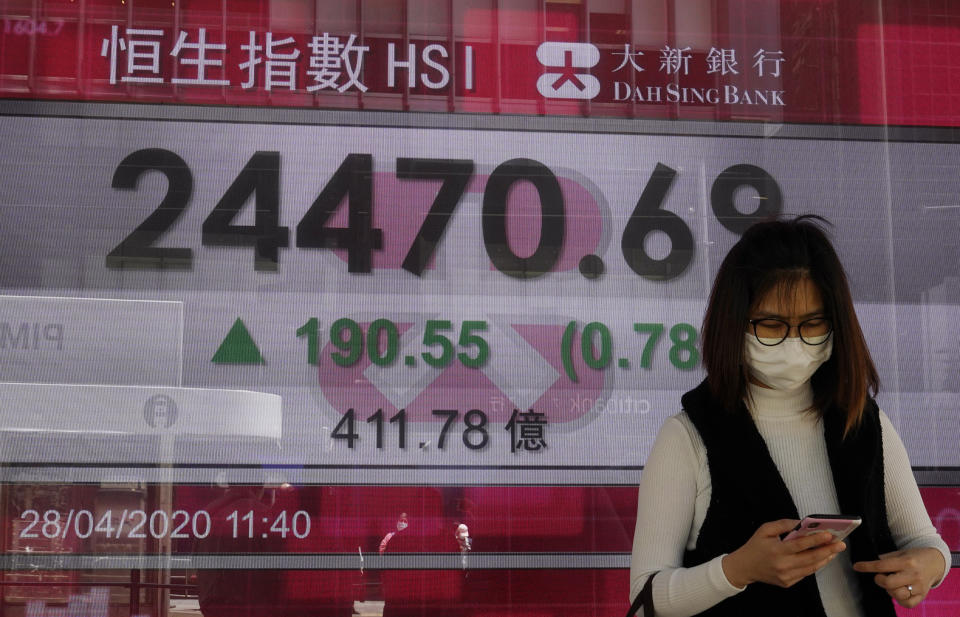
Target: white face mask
{"x": 786, "y": 366}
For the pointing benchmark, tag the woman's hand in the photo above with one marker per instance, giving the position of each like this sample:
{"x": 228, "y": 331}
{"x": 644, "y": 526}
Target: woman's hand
{"x": 906, "y": 575}
{"x": 766, "y": 558}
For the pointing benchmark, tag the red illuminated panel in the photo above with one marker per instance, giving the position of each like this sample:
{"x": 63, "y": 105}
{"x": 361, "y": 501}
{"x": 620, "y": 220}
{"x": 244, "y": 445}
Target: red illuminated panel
{"x": 54, "y": 587}
{"x": 343, "y": 519}
{"x": 944, "y": 601}
{"x": 943, "y": 505}
{"x": 333, "y": 591}
{"x": 317, "y": 519}
{"x": 477, "y": 593}
{"x": 256, "y": 593}
{"x": 844, "y": 61}
{"x": 917, "y": 68}
{"x": 499, "y": 593}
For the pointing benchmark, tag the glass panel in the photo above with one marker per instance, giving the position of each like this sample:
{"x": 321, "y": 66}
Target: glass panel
{"x": 378, "y": 308}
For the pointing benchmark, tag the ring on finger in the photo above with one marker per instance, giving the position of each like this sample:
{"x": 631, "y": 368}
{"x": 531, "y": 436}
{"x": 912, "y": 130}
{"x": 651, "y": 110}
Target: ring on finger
{"x": 910, "y": 589}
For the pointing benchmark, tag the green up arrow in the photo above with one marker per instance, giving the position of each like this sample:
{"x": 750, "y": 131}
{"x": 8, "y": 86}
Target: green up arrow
{"x": 238, "y": 347}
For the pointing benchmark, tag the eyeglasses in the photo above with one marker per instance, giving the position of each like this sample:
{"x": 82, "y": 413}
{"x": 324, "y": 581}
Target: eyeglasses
{"x": 770, "y": 331}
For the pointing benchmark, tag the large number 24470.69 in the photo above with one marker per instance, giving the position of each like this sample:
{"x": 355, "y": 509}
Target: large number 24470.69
{"x": 260, "y": 179}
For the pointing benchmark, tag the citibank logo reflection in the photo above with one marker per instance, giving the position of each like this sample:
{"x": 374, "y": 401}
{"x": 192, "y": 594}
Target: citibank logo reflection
{"x": 160, "y": 411}
{"x": 582, "y": 405}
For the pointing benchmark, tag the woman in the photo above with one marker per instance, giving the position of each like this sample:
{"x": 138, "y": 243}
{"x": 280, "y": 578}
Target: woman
{"x": 782, "y": 427}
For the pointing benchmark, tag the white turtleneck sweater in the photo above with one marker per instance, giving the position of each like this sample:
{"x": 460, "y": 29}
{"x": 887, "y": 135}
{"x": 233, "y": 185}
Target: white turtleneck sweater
{"x": 675, "y": 493}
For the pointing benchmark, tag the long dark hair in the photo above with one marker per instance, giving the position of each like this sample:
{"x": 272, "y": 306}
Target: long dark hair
{"x": 777, "y": 254}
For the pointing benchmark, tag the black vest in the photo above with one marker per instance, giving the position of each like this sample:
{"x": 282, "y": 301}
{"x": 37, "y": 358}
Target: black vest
{"x": 748, "y": 491}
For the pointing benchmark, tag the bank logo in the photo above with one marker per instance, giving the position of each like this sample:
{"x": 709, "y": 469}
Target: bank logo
{"x": 571, "y": 60}
{"x": 160, "y": 411}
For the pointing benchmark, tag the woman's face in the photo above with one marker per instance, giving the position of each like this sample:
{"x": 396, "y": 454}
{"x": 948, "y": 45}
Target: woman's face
{"x": 792, "y": 305}
{"x": 775, "y": 354}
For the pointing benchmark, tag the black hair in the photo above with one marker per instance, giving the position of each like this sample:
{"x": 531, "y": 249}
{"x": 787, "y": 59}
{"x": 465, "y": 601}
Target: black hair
{"x": 778, "y": 254}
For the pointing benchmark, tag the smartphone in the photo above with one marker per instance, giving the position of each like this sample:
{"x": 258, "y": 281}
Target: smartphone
{"x": 840, "y": 525}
